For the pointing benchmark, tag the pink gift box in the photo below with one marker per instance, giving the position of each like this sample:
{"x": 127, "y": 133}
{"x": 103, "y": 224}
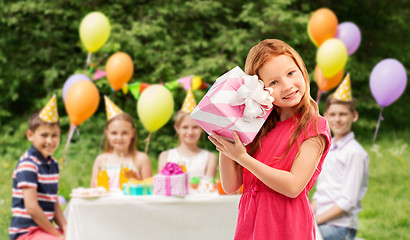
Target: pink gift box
{"x": 215, "y": 111}
{"x": 171, "y": 185}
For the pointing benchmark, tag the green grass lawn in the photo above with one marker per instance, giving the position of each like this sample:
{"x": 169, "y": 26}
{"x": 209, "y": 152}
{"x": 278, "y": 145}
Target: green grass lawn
{"x": 386, "y": 206}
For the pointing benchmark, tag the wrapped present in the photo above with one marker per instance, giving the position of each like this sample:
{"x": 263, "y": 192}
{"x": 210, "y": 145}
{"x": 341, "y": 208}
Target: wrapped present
{"x": 138, "y": 188}
{"x": 235, "y": 102}
{"x": 171, "y": 181}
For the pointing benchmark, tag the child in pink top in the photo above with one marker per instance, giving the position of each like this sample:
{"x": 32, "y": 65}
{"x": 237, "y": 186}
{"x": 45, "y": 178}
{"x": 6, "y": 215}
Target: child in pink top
{"x": 283, "y": 162}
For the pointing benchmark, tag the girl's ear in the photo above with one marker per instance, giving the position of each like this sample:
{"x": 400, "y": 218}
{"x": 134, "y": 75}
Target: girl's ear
{"x": 176, "y": 129}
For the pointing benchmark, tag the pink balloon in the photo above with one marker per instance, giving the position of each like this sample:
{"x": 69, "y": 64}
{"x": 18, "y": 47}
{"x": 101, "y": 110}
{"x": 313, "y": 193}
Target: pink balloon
{"x": 350, "y": 35}
{"x": 388, "y": 81}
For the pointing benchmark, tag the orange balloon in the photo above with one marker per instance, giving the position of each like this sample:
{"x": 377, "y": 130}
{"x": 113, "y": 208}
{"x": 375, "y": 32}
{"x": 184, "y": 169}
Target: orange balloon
{"x": 81, "y": 101}
{"x": 325, "y": 84}
{"x": 119, "y": 69}
{"x": 322, "y": 25}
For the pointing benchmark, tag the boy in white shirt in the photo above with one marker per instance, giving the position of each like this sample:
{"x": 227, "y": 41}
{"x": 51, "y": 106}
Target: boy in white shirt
{"x": 344, "y": 178}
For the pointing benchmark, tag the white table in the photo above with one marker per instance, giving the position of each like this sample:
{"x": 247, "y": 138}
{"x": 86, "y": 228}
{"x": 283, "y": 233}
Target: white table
{"x": 201, "y": 216}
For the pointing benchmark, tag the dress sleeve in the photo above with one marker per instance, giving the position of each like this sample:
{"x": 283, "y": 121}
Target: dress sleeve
{"x": 313, "y": 130}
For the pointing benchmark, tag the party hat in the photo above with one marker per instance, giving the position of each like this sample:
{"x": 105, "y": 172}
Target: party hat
{"x": 189, "y": 102}
{"x": 344, "y": 91}
{"x": 111, "y": 109}
{"x": 49, "y": 112}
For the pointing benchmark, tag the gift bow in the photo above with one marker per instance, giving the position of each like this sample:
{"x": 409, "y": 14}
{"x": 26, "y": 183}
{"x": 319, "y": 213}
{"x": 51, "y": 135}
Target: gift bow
{"x": 171, "y": 168}
{"x": 251, "y": 93}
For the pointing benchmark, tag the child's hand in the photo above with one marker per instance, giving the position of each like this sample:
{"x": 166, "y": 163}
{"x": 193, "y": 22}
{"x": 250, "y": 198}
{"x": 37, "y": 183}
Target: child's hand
{"x": 132, "y": 174}
{"x": 231, "y": 150}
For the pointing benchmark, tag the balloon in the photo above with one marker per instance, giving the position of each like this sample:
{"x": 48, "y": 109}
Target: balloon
{"x": 62, "y": 200}
{"x": 322, "y": 25}
{"x": 350, "y": 35}
{"x": 311, "y": 38}
{"x": 94, "y": 31}
{"x": 119, "y": 69}
{"x": 388, "y": 81}
{"x": 71, "y": 80}
{"x": 81, "y": 101}
{"x": 326, "y": 84}
{"x": 196, "y": 82}
{"x": 331, "y": 57}
{"x": 155, "y": 107}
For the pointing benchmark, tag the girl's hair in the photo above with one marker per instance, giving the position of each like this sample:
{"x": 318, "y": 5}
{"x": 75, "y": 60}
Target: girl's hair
{"x": 179, "y": 116}
{"x": 132, "y": 148}
{"x": 257, "y": 56}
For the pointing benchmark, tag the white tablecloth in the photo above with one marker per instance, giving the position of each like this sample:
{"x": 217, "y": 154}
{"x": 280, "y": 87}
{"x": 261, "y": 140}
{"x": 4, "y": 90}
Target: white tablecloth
{"x": 209, "y": 216}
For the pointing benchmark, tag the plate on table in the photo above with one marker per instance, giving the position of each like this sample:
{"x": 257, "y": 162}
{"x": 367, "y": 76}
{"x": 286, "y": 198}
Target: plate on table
{"x": 88, "y": 196}
{"x": 89, "y": 192}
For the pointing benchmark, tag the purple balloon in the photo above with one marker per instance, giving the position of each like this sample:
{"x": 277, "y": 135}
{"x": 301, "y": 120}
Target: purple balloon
{"x": 62, "y": 200}
{"x": 350, "y": 35}
{"x": 388, "y": 81}
{"x": 71, "y": 80}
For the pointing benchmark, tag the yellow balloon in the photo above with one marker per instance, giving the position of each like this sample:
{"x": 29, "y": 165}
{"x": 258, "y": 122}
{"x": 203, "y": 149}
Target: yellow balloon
{"x": 196, "y": 82}
{"x": 331, "y": 57}
{"x": 94, "y": 31}
{"x": 155, "y": 107}
{"x": 311, "y": 37}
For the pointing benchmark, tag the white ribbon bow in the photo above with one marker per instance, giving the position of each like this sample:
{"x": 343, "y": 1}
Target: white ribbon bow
{"x": 251, "y": 93}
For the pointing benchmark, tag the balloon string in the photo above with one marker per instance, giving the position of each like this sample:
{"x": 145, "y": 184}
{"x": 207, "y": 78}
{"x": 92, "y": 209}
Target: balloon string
{"x": 70, "y": 135}
{"x": 147, "y": 144}
{"x": 88, "y": 60}
{"x": 319, "y": 94}
{"x": 378, "y": 124}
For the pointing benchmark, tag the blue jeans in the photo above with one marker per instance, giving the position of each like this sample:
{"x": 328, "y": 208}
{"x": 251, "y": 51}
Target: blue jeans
{"x": 332, "y": 232}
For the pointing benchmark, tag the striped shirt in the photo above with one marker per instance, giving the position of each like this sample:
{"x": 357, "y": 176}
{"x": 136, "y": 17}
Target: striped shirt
{"x": 33, "y": 171}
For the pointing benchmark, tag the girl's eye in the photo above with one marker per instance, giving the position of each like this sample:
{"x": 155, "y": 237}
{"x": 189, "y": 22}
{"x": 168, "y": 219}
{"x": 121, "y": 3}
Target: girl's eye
{"x": 273, "y": 83}
{"x": 291, "y": 73}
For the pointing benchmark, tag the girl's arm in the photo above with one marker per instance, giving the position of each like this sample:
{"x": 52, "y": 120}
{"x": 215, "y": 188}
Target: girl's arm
{"x": 97, "y": 164}
{"x": 211, "y": 166}
{"x": 162, "y": 160}
{"x": 59, "y": 217}
{"x": 145, "y": 165}
{"x": 230, "y": 174}
{"x": 287, "y": 183}
{"x": 37, "y": 214}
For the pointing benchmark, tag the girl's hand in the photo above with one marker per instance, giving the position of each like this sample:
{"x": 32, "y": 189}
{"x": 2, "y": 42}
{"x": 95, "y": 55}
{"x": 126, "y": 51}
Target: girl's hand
{"x": 232, "y": 150}
{"x": 132, "y": 174}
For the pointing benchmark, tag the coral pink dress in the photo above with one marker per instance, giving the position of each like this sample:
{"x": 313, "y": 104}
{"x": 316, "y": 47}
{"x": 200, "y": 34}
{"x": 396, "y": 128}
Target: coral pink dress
{"x": 266, "y": 214}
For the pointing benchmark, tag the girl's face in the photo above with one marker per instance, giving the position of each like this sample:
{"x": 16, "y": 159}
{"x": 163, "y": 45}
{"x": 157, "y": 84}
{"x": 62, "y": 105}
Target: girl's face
{"x": 188, "y": 131}
{"x": 119, "y": 135}
{"x": 283, "y": 76}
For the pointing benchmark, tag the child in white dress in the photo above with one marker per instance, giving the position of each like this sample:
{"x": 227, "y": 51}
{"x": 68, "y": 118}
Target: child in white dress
{"x": 120, "y": 149}
{"x": 198, "y": 162}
